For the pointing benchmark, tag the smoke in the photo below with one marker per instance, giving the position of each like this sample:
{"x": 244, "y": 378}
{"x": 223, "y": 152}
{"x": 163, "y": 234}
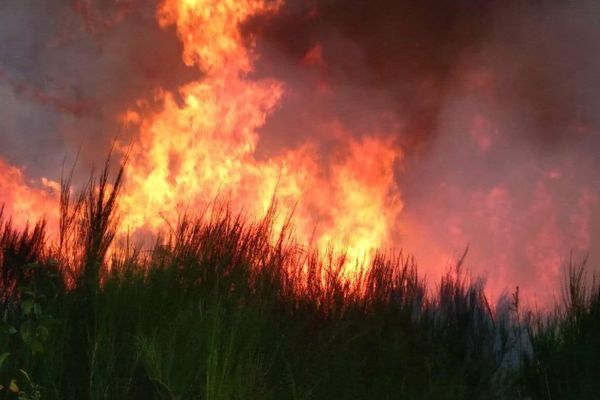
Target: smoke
{"x": 391, "y": 58}
{"x": 514, "y": 169}
{"x": 493, "y": 103}
{"x": 70, "y": 69}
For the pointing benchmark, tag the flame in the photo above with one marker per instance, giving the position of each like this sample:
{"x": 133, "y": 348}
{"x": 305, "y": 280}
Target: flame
{"x": 27, "y": 202}
{"x": 205, "y": 144}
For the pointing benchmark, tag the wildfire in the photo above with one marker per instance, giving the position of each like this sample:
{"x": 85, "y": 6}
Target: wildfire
{"x": 205, "y": 145}
{"x": 474, "y": 183}
{"x": 26, "y": 202}
{"x": 188, "y": 153}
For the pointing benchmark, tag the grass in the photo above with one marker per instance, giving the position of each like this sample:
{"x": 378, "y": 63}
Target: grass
{"x": 217, "y": 309}
{"x": 566, "y": 343}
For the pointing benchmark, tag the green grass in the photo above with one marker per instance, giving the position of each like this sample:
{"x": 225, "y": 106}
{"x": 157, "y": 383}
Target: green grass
{"x": 219, "y": 310}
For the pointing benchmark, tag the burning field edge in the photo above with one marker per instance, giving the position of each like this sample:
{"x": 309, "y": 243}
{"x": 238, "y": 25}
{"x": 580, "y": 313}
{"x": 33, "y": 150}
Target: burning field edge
{"x": 226, "y": 307}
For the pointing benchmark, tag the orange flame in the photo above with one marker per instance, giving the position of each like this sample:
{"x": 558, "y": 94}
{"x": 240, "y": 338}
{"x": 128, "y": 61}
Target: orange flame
{"x": 192, "y": 150}
{"x": 25, "y": 202}
{"x": 206, "y": 144}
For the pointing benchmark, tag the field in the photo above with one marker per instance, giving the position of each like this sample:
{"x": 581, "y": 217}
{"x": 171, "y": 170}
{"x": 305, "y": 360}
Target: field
{"x": 223, "y": 307}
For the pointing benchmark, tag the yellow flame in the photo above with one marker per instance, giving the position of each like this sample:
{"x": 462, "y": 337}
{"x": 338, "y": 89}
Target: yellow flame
{"x": 189, "y": 152}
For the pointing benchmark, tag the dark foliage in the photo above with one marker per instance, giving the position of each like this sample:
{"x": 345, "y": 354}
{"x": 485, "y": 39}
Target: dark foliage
{"x": 226, "y": 308}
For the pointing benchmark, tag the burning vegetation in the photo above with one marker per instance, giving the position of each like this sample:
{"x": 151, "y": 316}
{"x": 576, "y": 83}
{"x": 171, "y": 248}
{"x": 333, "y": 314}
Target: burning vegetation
{"x": 400, "y": 126}
{"x": 217, "y": 309}
{"x": 271, "y": 160}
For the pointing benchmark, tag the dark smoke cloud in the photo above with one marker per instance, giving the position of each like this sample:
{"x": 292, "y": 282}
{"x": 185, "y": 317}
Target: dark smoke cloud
{"x": 381, "y": 56}
{"x": 495, "y": 104}
{"x": 69, "y": 68}
{"x": 408, "y": 56}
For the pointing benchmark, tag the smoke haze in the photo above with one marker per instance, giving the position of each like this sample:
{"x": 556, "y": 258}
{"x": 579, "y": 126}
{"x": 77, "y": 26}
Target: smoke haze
{"x": 69, "y": 69}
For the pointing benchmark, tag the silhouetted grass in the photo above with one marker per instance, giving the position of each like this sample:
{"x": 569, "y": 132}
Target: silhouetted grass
{"x": 219, "y": 309}
{"x": 566, "y": 344}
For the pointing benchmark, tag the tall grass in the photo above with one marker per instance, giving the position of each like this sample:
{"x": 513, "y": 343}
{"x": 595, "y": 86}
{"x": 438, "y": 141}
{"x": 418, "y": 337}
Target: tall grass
{"x": 565, "y": 363}
{"x": 219, "y": 309}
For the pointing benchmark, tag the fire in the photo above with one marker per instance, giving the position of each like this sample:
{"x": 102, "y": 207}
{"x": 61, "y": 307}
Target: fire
{"x": 205, "y": 145}
{"x": 27, "y": 202}
{"x": 477, "y": 185}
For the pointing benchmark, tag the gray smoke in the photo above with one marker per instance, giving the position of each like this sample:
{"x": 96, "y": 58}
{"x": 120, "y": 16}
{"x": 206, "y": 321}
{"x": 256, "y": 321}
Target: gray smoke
{"x": 68, "y": 69}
